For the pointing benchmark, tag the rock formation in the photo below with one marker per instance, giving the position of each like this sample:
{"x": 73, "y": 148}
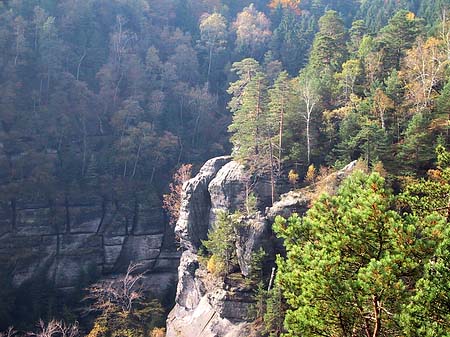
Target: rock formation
{"x": 65, "y": 240}
{"x": 205, "y": 305}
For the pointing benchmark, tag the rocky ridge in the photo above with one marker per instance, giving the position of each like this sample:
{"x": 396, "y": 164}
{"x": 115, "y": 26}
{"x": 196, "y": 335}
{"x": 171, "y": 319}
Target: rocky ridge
{"x": 206, "y": 306}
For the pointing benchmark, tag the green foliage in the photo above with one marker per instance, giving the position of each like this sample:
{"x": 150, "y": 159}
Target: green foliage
{"x": 416, "y": 151}
{"x": 257, "y": 265}
{"x": 221, "y": 243}
{"x": 329, "y": 47}
{"x": 348, "y": 258}
{"x": 428, "y": 312}
{"x": 275, "y": 311}
{"x": 398, "y": 36}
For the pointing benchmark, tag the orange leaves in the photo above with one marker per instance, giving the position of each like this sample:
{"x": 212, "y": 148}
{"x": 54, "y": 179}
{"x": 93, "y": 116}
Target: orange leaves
{"x": 172, "y": 200}
{"x": 292, "y": 4}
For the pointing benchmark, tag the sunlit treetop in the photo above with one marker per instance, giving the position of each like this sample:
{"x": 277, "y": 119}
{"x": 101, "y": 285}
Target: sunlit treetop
{"x": 292, "y": 4}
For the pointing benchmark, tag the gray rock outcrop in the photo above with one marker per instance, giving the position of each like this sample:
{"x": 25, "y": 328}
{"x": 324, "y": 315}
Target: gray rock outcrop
{"x": 207, "y": 306}
{"x": 193, "y": 223}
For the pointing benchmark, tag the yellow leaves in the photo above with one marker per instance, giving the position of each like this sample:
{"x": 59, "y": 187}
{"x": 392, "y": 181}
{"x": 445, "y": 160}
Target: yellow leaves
{"x": 423, "y": 70}
{"x": 215, "y": 266}
{"x": 311, "y": 174}
{"x": 158, "y": 332}
{"x": 410, "y": 16}
{"x": 435, "y": 175}
{"x": 432, "y": 42}
{"x": 292, "y": 4}
{"x": 98, "y": 330}
{"x": 293, "y": 177}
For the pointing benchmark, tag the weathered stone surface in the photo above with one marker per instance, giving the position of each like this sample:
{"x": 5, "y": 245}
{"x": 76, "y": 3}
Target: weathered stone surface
{"x": 113, "y": 240}
{"x": 289, "y": 203}
{"x": 85, "y": 219}
{"x": 167, "y": 261}
{"x": 227, "y": 189}
{"x": 193, "y": 223}
{"x": 35, "y": 222}
{"x": 234, "y": 306}
{"x": 203, "y": 321}
{"x": 143, "y": 247}
{"x": 205, "y": 306}
{"x": 112, "y": 254}
{"x": 190, "y": 289}
{"x": 250, "y": 236}
{"x": 149, "y": 220}
{"x": 160, "y": 283}
{"x": 68, "y": 270}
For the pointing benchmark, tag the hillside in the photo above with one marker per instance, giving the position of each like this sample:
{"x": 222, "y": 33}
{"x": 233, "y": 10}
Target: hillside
{"x": 103, "y": 103}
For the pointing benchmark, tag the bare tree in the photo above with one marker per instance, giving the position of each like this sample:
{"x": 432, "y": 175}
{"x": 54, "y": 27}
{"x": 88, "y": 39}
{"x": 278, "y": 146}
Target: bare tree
{"x": 308, "y": 92}
{"x": 56, "y": 328}
{"x": 172, "y": 200}
{"x": 10, "y": 332}
{"x": 120, "y": 294}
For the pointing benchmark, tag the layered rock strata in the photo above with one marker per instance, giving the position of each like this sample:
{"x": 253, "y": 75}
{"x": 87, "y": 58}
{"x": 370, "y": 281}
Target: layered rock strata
{"x": 78, "y": 238}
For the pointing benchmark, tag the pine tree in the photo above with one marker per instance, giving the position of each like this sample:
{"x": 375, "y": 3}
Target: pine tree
{"x": 279, "y": 96}
{"x": 329, "y": 48}
{"x": 221, "y": 243}
{"x": 344, "y": 273}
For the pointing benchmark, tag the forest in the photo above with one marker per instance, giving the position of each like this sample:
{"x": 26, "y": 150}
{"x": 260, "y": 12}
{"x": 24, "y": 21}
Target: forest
{"x": 108, "y": 99}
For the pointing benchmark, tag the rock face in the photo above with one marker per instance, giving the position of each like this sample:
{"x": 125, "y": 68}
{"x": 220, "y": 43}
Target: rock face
{"x": 205, "y": 305}
{"x": 193, "y": 223}
{"x": 70, "y": 239}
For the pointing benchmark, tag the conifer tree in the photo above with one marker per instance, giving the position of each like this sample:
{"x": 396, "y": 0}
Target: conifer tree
{"x": 347, "y": 261}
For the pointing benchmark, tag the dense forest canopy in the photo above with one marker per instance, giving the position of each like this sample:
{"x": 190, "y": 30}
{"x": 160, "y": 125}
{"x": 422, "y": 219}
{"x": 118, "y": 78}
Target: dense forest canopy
{"x": 109, "y": 98}
{"x": 96, "y": 92}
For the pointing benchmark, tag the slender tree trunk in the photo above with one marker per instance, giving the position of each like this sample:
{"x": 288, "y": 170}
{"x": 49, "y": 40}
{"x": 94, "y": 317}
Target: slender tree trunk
{"x": 116, "y": 89}
{"x": 280, "y": 135}
{"x": 209, "y": 64}
{"x": 180, "y": 143}
{"x": 79, "y": 63}
{"x": 125, "y": 168}
{"x": 272, "y": 276}
{"x": 194, "y": 137}
{"x": 308, "y": 140}
{"x": 83, "y": 165}
{"x": 17, "y": 54}
{"x": 272, "y": 176}
{"x": 137, "y": 159}
{"x": 377, "y": 316}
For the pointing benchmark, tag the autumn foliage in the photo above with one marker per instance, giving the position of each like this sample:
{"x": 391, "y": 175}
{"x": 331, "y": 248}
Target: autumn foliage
{"x": 172, "y": 200}
{"x": 292, "y": 4}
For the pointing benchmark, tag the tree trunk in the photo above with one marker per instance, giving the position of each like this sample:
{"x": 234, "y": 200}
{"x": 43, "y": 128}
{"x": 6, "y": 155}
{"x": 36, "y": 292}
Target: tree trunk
{"x": 308, "y": 141}
{"x": 272, "y": 176}
{"x": 280, "y": 135}
{"x": 83, "y": 165}
{"x": 377, "y": 316}
{"x": 79, "y": 64}
{"x": 137, "y": 159}
{"x": 209, "y": 64}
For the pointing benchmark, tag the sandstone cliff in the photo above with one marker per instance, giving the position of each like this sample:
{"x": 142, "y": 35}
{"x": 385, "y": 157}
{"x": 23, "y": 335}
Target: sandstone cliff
{"x": 211, "y": 307}
{"x": 64, "y": 240}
